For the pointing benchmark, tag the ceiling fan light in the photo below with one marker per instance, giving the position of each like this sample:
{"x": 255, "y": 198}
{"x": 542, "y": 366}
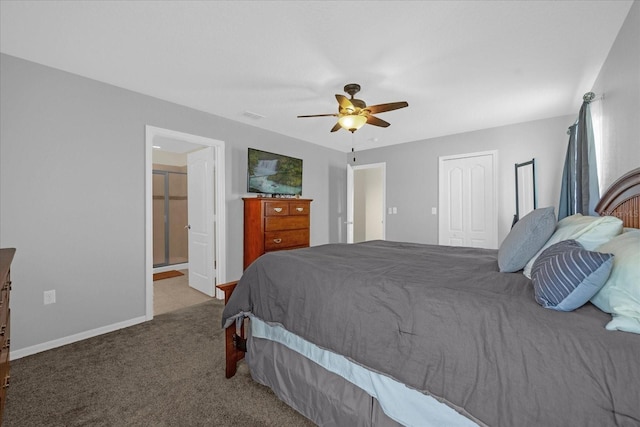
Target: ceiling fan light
{"x": 352, "y": 122}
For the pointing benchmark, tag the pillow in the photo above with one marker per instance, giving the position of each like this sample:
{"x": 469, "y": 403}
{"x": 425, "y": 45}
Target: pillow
{"x": 620, "y": 295}
{"x": 565, "y": 276}
{"x": 589, "y": 231}
{"x": 525, "y": 239}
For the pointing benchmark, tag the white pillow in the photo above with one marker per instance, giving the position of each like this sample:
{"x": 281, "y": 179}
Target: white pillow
{"x": 620, "y": 294}
{"x": 589, "y": 231}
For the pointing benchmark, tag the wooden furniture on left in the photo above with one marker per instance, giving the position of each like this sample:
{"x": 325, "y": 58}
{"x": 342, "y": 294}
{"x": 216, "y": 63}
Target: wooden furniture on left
{"x": 6, "y": 256}
{"x": 234, "y": 346}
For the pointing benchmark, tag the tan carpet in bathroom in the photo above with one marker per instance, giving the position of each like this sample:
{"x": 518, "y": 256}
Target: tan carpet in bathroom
{"x": 174, "y": 293}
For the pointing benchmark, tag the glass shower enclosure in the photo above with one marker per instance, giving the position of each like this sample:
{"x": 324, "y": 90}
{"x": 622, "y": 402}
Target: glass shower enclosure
{"x": 170, "y": 217}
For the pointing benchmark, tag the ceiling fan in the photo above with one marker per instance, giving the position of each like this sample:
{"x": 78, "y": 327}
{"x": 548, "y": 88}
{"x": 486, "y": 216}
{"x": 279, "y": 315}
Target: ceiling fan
{"x": 353, "y": 113}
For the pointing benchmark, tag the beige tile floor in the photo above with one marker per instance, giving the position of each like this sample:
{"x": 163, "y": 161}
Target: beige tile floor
{"x": 174, "y": 293}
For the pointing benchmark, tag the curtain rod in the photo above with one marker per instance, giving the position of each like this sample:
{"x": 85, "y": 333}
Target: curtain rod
{"x": 591, "y": 97}
{"x": 588, "y": 97}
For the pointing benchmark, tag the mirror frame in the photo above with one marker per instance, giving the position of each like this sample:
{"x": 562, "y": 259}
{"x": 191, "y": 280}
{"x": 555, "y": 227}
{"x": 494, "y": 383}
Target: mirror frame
{"x": 525, "y": 187}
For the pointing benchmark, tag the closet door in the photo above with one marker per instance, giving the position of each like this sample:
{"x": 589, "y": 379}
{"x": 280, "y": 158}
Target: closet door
{"x": 467, "y": 200}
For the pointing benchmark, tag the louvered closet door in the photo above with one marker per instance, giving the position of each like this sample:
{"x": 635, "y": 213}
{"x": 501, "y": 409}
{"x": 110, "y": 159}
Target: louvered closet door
{"x": 467, "y": 201}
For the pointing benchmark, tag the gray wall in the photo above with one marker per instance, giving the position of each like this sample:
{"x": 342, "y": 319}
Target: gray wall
{"x": 72, "y": 194}
{"x": 412, "y": 172}
{"x": 619, "y": 83}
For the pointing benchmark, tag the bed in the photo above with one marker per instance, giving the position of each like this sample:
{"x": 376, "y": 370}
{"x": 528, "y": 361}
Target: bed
{"x": 390, "y": 333}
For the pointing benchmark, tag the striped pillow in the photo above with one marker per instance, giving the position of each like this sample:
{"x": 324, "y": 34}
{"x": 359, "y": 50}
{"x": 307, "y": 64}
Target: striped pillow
{"x": 565, "y": 276}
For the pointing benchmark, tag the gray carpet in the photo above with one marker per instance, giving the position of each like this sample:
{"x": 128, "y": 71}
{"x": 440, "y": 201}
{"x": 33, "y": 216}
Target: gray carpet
{"x": 166, "y": 372}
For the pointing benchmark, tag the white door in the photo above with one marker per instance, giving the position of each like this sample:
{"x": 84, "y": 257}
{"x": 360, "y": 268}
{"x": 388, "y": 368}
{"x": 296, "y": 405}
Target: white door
{"x": 366, "y": 202}
{"x": 467, "y": 200}
{"x": 200, "y": 195}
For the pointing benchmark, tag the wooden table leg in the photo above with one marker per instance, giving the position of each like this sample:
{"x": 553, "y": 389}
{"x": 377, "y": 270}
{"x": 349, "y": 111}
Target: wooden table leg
{"x": 233, "y": 354}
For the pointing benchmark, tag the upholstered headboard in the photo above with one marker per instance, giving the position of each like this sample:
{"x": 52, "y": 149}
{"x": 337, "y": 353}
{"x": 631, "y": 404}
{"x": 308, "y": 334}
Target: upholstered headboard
{"x": 622, "y": 199}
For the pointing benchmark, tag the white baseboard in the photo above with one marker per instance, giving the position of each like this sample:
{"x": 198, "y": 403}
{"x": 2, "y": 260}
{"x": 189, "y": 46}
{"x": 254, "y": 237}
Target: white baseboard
{"x": 28, "y": 351}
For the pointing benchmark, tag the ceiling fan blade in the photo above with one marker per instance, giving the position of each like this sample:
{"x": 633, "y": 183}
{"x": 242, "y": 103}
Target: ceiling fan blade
{"x": 336, "y": 127}
{"x": 320, "y": 115}
{"x": 344, "y": 102}
{"x": 381, "y": 108}
{"x": 371, "y": 120}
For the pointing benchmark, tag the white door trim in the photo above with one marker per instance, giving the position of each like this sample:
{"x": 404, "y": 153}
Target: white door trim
{"x": 219, "y": 206}
{"x": 350, "y": 197}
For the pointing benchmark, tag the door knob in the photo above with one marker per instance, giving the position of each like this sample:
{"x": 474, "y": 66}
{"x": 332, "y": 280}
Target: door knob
{"x": 188, "y": 226}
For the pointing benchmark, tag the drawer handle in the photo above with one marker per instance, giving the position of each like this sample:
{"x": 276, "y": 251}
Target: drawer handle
{"x": 299, "y": 209}
{"x": 6, "y": 381}
{"x": 277, "y": 209}
{"x": 277, "y": 240}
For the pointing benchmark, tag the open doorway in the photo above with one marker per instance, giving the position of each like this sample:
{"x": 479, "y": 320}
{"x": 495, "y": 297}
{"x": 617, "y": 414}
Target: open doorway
{"x": 205, "y": 225}
{"x": 366, "y": 199}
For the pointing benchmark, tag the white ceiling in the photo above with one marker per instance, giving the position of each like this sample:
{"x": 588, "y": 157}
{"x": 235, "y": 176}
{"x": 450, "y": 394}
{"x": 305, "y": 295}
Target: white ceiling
{"x": 461, "y": 65}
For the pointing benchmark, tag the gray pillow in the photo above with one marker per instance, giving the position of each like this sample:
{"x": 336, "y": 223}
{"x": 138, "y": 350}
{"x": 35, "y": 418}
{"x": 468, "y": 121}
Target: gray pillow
{"x": 525, "y": 239}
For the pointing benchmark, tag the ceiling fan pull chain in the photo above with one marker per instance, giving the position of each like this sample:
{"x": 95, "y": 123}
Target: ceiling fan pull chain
{"x": 353, "y": 144}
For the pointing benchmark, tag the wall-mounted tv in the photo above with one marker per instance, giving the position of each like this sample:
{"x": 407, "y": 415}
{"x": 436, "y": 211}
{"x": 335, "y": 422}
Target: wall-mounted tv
{"x": 274, "y": 174}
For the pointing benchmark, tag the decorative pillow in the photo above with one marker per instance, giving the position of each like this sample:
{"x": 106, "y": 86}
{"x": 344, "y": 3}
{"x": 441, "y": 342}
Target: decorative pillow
{"x": 589, "y": 231}
{"x": 525, "y": 239}
{"x": 565, "y": 276}
{"x": 620, "y": 295}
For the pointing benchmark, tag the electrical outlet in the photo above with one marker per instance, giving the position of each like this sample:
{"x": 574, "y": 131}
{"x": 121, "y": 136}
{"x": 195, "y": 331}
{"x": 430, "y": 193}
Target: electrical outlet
{"x": 49, "y": 297}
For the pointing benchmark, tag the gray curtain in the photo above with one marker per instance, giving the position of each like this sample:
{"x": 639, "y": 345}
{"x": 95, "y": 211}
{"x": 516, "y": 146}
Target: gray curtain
{"x": 579, "y": 192}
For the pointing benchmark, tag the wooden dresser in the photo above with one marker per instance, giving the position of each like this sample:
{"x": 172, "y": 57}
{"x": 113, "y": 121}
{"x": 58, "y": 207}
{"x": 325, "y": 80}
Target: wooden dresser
{"x": 6, "y": 256}
{"x": 272, "y": 224}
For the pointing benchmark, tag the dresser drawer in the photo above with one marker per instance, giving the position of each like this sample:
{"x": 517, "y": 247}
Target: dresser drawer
{"x": 291, "y": 222}
{"x": 280, "y": 208}
{"x": 299, "y": 208}
{"x": 4, "y": 326}
{"x": 276, "y": 240}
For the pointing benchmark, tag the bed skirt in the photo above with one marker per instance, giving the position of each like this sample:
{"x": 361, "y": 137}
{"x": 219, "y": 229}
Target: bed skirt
{"x": 333, "y": 391}
{"x": 322, "y": 396}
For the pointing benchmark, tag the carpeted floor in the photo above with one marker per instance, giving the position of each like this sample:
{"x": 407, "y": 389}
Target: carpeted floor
{"x": 166, "y": 372}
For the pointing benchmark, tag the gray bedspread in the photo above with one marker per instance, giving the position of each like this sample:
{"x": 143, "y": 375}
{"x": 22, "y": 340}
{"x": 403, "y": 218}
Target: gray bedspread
{"x": 445, "y": 321}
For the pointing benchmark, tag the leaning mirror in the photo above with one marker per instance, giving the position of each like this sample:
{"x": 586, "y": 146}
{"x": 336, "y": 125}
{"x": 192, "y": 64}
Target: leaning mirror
{"x": 525, "y": 189}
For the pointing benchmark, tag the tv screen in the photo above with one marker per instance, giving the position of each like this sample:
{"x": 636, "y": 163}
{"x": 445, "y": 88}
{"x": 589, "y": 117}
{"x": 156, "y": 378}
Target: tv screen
{"x": 275, "y": 174}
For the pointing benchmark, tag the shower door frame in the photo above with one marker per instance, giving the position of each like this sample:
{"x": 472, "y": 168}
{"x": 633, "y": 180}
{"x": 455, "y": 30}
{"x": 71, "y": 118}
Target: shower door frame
{"x": 167, "y": 217}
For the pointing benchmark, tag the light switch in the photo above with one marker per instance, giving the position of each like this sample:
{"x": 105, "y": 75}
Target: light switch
{"x": 395, "y": 210}
{"x": 390, "y": 211}
{"x": 434, "y": 211}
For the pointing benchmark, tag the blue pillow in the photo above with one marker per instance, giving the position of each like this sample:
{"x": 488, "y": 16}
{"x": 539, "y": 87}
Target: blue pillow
{"x": 525, "y": 239}
{"x": 565, "y": 276}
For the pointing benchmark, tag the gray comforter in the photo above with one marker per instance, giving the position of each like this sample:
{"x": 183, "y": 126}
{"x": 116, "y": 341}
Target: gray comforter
{"x": 445, "y": 321}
